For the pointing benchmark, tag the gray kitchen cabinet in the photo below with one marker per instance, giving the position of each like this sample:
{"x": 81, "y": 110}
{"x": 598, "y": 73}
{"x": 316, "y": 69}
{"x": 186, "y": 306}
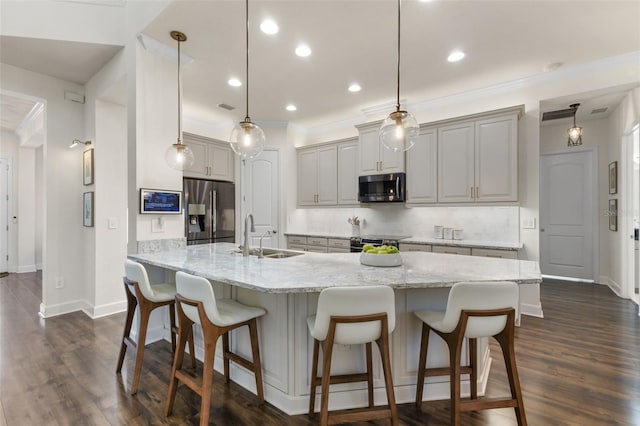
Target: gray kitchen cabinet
{"x": 422, "y": 168}
{"x": 318, "y": 176}
{"x": 478, "y": 160}
{"x": 452, "y": 250}
{"x": 348, "y": 172}
{"x": 503, "y": 254}
{"x": 338, "y": 245}
{"x": 213, "y": 159}
{"x": 414, "y": 247}
{"x": 374, "y": 157}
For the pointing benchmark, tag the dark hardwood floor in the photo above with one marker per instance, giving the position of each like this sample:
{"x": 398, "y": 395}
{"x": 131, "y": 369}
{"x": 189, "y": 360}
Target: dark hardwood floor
{"x": 580, "y": 365}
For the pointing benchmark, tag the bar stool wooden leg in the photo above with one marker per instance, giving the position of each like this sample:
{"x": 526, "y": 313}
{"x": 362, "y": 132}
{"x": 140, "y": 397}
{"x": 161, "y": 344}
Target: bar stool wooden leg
{"x": 383, "y": 345}
{"x": 369, "y": 374}
{"x": 506, "y": 340}
{"x": 172, "y": 322}
{"x": 313, "y": 379}
{"x": 455, "y": 350}
{"x": 132, "y": 302}
{"x": 225, "y": 356}
{"x": 326, "y": 376}
{"x": 207, "y": 380}
{"x": 185, "y": 333}
{"x": 192, "y": 346}
{"x": 422, "y": 364}
{"x": 473, "y": 357}
{"x": 257, "y": 366}
{"x": 145, "y": 312}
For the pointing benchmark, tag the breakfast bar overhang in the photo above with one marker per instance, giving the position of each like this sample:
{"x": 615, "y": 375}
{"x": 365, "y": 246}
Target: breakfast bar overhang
{"x": 288, "y": 289}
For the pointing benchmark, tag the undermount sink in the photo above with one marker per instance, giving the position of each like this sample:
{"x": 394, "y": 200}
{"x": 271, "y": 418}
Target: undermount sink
{"x": 279, "y": 254}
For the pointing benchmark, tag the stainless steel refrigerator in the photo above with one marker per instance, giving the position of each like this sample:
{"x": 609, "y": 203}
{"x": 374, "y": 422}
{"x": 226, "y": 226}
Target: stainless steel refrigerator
{"x": 209, "y": 211}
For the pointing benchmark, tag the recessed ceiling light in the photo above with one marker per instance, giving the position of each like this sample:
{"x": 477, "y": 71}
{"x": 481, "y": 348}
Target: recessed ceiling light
{"x": 291, "y": 107}
{"x": 303, "y": 50}
{"x": 455, "y": 56}
{"x": 269, "y": 26}
{"x": 355, "y": 87}
{"x": 234, "y": 82}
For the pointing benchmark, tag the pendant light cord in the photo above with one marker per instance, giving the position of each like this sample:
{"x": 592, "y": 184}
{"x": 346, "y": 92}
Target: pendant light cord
{"x": 179, "y": 99}
{"x": 246, "y": 118}
{"x": 398, "y": 82}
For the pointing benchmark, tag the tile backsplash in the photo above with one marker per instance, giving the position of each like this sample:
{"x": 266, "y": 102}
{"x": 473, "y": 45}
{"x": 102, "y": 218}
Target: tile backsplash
{"x": 480, "y": 223}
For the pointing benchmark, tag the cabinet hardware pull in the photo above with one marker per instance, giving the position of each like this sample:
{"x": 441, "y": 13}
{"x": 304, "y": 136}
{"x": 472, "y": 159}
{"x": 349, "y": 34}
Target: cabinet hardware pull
{"x": 472, "y": 193}
{"x": 477, "y": 192}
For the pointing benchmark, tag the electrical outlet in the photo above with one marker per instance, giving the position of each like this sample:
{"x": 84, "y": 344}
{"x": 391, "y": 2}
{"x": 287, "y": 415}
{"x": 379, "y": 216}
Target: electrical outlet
{"x": 59, "y": 282}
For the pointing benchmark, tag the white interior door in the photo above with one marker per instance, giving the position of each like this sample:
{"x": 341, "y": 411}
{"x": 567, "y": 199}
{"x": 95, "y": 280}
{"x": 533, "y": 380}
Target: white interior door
{"x": 261, "y": 196}
{"x": 568, "y": 214}
{"x": 4, "y": 215}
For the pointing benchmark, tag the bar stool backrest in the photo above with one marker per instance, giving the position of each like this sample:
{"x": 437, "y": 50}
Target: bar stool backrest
{"x": 354, "y": 301}
{"x": 480, "y": 296}
{"x": 198, "y": 289}
{"x": 134, "y": 271}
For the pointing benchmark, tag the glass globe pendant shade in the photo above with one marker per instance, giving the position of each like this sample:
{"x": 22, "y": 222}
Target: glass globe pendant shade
{"x": 179, "y": 156}
{"x": 575, "y": 136}
{"x": 247, "y": 139}
{"x": 399, "y": 131}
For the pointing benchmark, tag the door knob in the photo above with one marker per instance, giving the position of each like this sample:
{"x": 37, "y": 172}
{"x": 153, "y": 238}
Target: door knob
{"x": 541, "y": 229}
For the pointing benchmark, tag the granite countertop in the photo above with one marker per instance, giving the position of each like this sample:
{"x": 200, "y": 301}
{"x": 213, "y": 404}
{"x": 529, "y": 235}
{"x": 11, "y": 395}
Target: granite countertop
{"x": 432, "y": 241}
{"x": 312, "y": 272}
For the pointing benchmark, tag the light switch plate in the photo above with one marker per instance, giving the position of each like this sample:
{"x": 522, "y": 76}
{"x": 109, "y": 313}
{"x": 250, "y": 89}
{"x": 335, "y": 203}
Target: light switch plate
{"x": 112, "y": 223}
{"x": 157, "y": 225}
{"x": 529, "y": 223}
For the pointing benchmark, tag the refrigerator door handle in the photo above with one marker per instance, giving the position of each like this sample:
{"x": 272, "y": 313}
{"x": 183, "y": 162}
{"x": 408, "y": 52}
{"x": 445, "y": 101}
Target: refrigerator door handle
{"x": 214, "y": 212}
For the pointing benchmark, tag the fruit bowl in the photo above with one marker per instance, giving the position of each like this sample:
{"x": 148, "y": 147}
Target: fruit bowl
{"x": 385, "y": 260}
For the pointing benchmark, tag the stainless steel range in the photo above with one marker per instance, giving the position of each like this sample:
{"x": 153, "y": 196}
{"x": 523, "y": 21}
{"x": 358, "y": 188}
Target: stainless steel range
{"x": 375, "y": 240}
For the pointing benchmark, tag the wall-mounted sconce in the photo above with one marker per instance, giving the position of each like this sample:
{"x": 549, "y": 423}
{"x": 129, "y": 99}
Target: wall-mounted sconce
{"x": 77, "y": 142}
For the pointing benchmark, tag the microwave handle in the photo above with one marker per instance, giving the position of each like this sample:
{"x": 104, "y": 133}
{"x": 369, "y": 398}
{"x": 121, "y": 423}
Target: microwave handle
{"x": 398, "y": 186}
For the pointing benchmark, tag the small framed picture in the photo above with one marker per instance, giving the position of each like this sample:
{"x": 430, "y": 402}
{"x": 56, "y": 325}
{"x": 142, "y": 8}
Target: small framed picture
{"x": 87, "y": 209}
{"x": 87, "y": 167}
{"x": 613, "y": 177}
{"x": 613, "y": 215}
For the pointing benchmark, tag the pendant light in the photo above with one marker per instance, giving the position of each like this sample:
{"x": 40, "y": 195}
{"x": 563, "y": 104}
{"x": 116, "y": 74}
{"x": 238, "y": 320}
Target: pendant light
{"x": 400, "y": 129}
{"x": 179, "y": 156}
{"x": 247, "y": 138}
{"x": 574, "y": 133}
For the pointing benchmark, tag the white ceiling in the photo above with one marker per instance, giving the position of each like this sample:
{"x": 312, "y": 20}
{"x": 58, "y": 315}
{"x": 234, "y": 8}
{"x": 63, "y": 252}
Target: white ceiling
{"x": 355, "y": 41}
{"x": 13, "y": 111}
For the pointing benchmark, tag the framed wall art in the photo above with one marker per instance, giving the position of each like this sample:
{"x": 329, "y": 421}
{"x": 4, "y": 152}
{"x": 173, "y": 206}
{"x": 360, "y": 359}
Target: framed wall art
{"x": 613, "y": 215}
{"x": 87, "y": 209}
{"x": 87, "y": 167}
{"x": 613, "y": 177}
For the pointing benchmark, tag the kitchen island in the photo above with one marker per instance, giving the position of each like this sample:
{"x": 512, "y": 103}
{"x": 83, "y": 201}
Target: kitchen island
{"x": 288, "y": 289}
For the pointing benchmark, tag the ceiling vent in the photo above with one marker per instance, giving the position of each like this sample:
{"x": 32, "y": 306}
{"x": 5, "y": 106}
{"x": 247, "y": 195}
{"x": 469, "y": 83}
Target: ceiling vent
{"x": 599, "y": 110}
{"x": 561, "y": 113}
{"x": 227, "y": 107}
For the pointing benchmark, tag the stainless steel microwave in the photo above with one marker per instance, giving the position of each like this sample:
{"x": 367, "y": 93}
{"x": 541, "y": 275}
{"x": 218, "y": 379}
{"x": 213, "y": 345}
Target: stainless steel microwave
{"x": 385, "y": 188}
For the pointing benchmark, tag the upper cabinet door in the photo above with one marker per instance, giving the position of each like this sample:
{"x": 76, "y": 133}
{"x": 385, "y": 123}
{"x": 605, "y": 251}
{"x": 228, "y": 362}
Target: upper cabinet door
{"x": 327, "y": 192}
{"x": 369, "y": 152}
{"x": 422, "y": 168}
{"x": 374, "y": 157}
{"x": 221, "y": 160}
{"x": 456, "y": 182}
{"x": 213, "y": 159}
{"x": 348, "y": 172}
{"x": 307, "y": 177}
{"x": 200, "y": 165}
{"x": 496, "y": 163}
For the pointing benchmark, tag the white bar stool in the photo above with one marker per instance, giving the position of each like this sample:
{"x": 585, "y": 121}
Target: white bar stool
{"x": 140, "y": 293}
{"x": 351, "y": 316}
{"x": 474, "y": 309}
{"x": 197, "y": 304}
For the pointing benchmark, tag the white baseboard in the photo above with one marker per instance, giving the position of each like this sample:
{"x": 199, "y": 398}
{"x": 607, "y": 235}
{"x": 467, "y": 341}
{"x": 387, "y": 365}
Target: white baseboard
{"x": 106, "y": 309}
{"x": 531, "y": 310}
{"x": 48, "y": 311}
{"x": 25, "y": 268}
{"x": 614, "y": 286}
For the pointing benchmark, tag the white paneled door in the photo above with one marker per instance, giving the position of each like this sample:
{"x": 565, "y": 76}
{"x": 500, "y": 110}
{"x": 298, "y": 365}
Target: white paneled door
{"x": 261, "y": 196}
{"x": 4, "y": 214}
{"x": 568, "y": 214}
